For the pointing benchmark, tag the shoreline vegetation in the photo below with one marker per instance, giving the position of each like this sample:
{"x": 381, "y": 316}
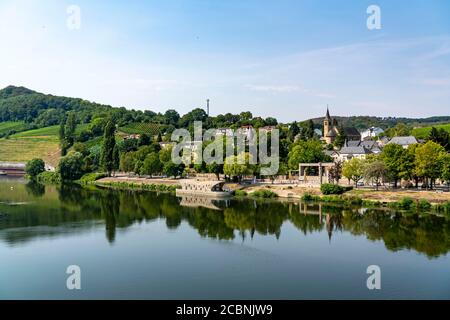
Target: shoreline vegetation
{"x": 401, "y": 200}
{"x": 407, "y": 200}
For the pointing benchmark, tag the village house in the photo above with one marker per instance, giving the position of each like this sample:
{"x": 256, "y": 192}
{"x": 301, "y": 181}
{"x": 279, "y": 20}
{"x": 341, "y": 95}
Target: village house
{"x": 403, "y": 141}
{"x": 372, "y": 132}
{"x": 227, "y": 132}
{"x": 348, "y": 153}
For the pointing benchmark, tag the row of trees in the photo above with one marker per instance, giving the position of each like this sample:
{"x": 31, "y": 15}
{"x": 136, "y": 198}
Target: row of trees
{"x": 426, "y": 162}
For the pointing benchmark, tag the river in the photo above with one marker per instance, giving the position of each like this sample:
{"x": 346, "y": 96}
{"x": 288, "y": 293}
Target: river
{"x": 144, "y": 245}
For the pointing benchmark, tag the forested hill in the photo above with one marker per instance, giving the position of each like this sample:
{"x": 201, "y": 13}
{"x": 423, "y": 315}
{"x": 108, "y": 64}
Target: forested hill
{"x": 22, "y": 104}
{"x": 36, "y": 110}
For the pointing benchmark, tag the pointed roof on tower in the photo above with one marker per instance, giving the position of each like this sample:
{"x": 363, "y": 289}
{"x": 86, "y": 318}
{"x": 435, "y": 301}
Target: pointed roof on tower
{"x": 328, "y": 114}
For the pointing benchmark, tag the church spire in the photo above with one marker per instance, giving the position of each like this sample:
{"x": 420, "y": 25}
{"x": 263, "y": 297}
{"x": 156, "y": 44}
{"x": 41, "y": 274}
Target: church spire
{"x": 328, "y": 114}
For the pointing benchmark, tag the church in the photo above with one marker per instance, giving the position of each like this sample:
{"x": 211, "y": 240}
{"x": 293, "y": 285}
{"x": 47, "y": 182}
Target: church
{"x": 331, "y": 130}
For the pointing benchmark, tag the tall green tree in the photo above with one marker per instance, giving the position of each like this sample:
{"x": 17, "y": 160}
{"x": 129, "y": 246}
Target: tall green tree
{"x": 428, "y": 161}
{"x": 375, "y": 171}
{"x": 354, "y": 170}
{"x": 70, "y": 128}
{"x": 310, "y": 151}
{"x": 109, "y": 143}
{"x": 151, "y": 165}
{"x": 392, "y": 156}
{"x": 70, "y": 167}
{"x": 293, "y": 131}
{"x": 445, "y": 170}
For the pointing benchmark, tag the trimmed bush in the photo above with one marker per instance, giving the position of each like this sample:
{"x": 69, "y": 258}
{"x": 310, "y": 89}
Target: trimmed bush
{"x": 330, "y": 188}
{"x": 264, "y": 193}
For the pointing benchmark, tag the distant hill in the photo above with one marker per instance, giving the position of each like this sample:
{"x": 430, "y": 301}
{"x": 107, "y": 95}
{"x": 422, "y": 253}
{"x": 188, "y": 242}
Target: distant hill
{"x": 364, "y": 122}
{"x": 37, "y": 110}
{"x": 22, "y": 104}
{"x": 12, "y": 91}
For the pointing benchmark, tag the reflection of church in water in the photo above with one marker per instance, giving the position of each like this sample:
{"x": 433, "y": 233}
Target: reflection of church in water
{"x": 333, "y": 222}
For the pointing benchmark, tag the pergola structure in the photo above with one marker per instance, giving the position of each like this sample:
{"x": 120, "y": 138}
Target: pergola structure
{"x": 323, "y": 168}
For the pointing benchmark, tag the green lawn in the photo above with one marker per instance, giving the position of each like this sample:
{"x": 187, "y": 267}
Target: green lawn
{"x": 424, "y": 132}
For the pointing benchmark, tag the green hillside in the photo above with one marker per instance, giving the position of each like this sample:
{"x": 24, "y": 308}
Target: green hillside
{"x": 12, "y": 126}
{"x": 39, "y": 143}
{"x": 424, "y": 132}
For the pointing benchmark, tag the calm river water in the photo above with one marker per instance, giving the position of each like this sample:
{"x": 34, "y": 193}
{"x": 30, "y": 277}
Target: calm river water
{"x": 143, "y": 245}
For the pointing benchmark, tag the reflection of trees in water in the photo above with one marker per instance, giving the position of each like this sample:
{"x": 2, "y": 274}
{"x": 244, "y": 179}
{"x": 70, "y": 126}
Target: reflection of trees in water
{"x": 427, "y": 234}
{"x": 35, "y": 189}
{"x": 110, "y": 204}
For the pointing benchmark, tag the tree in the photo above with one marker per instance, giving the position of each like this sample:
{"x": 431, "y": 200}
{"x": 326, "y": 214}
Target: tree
{"x": 116, "y": 159}
{"x": 393, "y": 156}
{"x": 293, "y": 131}
{"x": 445, "y": 170}
{"x": 246, "y": 116}
{"x": 109, "y": 143}
{"x": 341, "y": 138}
{"x": 70, "y": 167}
{"x": 428, "y": 161}
{"x": 310, "y": 151}
{"x": 165, "y": 155}
{"x": 238, "y": 166}
{"x": 171, "y": 117}
{"x": 375, "y": 171}
{"x": 34, "y": 168}
{"x": 215, "y": 168}
{"x": 69, "y": 129}
{"x": 440, "y": 136}
{"x": 406, "y": 165}
{"x": 399, "y": 130}
{"x": 151, "y": 164}
{"x": 173, "y": 170}
{"x": 354, "y": 170}
{"x": 127, "y": 162}
{"x": 144, "y": 140}
{"x": 336, "y": 171}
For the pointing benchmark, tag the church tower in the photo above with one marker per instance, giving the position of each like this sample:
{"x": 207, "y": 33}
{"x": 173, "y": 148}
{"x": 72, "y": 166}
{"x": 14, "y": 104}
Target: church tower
{"x": 327, "y": 123}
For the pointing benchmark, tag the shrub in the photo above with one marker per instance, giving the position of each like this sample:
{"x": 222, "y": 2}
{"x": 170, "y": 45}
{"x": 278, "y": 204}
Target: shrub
{"x": 264, "y": 193}
{"x": 330, "y": 188}
{"x": 354, "y": 200}
{"x": 310, "y": 197}
{"x": 406, "y": 203}
{"x": 423, "y": 204}
{"x": 48, "y": 177}
{"x": 240, "y": 193}
{"x": 332, "y": 198}
{"x": 91, "y": 177}
{"x": 371, "y": 203}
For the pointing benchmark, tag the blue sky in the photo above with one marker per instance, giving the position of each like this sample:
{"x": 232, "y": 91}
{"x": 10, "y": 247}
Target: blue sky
{"x": 286, "y": 59}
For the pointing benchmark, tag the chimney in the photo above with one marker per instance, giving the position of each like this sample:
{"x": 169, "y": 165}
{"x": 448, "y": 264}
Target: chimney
{"x": 207, "y": 106}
